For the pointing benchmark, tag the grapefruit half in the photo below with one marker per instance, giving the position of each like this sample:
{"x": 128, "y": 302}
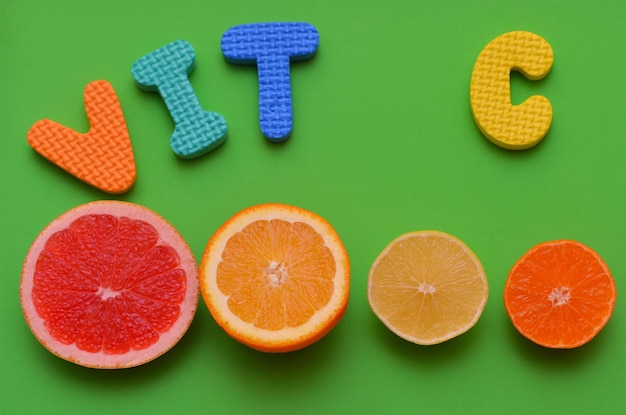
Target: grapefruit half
{"x": 109, "y": 284}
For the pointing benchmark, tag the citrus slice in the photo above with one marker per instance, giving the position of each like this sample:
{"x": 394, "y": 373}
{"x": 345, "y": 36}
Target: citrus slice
{"x": 427, "y": 287}
{"x": 275, "y": 277}
{"x": 109, "y": 284}
{"x": 560, "y": 294}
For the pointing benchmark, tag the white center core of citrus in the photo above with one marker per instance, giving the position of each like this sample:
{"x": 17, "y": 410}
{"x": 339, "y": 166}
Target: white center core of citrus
{"x": 559, "y": 296}
{"x": 107, "y": 293}
{"x": 277, "y": 273}
{"x": 426, "y": 288}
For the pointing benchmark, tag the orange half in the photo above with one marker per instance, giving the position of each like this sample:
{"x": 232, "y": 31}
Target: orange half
{"x": 275, "y": 277}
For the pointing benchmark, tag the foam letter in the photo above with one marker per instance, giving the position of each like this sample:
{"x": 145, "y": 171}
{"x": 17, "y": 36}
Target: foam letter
{"x": 167, "y": 71}
{"x": 272, "y": 46}
{"x": 513, "y": 127}
{"x": 102, "y": 157}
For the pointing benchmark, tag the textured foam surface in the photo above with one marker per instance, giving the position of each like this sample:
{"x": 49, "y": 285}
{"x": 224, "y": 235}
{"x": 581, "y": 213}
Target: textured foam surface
{"x": 167, "y": 70}
{"x": 272, "y": 46}
{"x": 103, "y": 157}
{"x": 508, "y": 126}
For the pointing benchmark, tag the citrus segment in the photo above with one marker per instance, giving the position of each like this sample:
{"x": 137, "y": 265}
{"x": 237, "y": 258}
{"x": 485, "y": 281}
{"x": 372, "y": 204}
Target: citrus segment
{"x": 275, "y": 277}
{"x": 109, "y": 284}
{"x": 427, "y": 287}
{"x": 560, "y": 294}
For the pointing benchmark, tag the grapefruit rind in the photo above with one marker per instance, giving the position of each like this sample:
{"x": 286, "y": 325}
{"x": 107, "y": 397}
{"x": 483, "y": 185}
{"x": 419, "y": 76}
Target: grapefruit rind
{"x": 167, "y": 234}
{"x": 289, "y": 338}
{"x": 420, "y": 339}
{"x": 513, "y": 315}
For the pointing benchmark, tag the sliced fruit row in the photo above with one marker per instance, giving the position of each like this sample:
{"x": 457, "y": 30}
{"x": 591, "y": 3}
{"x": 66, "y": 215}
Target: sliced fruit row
{"x": 112, "y": 284}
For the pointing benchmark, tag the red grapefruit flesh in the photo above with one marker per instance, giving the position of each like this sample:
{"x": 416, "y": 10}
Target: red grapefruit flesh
{"x": 109, "y": 284}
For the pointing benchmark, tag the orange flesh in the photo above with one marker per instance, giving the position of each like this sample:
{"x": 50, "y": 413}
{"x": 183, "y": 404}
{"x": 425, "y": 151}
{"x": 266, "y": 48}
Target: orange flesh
{"x": 276, "y": 273}
{"x": 560, "y": 294}
{"x": 106, "y": 284}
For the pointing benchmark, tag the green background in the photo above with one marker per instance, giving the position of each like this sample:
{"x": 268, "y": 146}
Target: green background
{"x": 384, "y": 143}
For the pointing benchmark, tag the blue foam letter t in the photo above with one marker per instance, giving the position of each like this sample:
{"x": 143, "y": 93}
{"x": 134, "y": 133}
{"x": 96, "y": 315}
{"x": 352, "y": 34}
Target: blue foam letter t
{"x": 272, "y": 46}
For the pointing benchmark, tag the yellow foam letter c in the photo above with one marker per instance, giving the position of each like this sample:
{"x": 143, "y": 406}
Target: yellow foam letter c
{"x": 515, "y": 127}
